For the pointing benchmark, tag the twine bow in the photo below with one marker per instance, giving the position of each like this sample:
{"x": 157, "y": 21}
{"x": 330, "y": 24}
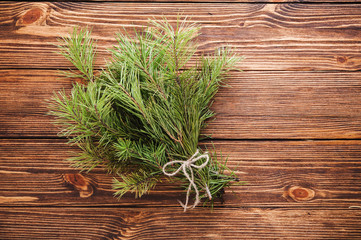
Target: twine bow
{"x": 189, "y": 165}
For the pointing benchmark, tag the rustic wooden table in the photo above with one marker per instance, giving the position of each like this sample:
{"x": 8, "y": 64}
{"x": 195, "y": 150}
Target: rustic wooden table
{"x": 290, "y": 124}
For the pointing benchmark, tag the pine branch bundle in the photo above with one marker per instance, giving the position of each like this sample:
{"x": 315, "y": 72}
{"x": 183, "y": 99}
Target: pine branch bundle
{"x": 145, "y": 110}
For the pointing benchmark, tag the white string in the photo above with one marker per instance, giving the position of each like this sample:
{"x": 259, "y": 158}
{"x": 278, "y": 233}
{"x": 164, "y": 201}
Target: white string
{"x": 189, "y": 165}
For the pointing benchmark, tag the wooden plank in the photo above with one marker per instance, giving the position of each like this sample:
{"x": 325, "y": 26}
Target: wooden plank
{"x": 320, "y": 174}
{"x": 270, "y": 36}
{"x": 317, "y": 105}
{"x": 218, "y": 1}
{"x": 172, "y": 223}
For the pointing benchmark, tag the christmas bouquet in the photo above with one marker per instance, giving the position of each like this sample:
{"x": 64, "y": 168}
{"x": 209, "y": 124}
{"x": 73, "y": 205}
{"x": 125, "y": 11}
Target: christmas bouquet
{"x": 141, "y": 116}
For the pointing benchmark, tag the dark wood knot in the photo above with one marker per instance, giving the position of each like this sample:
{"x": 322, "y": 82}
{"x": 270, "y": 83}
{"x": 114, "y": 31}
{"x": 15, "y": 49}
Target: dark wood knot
{"x": 34, "y": 16}
{"x": 341, "y": 59}
{"x": 300, "y": 194}
{"x": 81, "y": 183}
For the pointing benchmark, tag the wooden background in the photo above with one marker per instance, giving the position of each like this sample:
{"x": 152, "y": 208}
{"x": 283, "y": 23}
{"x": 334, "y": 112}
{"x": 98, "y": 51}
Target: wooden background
{"x": 290, "y": 124}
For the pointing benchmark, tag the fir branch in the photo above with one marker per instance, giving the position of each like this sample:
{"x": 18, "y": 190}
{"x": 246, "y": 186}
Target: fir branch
{"x": 139, "y": 183}
{"x": 79, "y": 49}
{"x": 145, "y": 109}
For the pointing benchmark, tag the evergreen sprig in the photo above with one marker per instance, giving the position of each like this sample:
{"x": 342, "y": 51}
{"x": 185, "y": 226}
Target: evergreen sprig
{"x": 146, "y": 108}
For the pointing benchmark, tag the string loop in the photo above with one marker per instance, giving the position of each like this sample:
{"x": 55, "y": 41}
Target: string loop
{"x": 186, "y": 166}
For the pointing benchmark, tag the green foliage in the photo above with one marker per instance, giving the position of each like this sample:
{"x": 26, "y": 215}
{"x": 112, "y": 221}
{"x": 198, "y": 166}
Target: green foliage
{"x": 139, "y": 182}
{"x": 79, "y": 49}
{"x": 146, "y": 108}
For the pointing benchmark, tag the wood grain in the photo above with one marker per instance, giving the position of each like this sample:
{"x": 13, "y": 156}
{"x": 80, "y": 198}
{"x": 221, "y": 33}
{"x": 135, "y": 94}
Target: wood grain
{"x": 172, "y": 223}
{"x": 301, "y": 82}
{"x": 215, "y": 1}
{"x": 319, "y": 174}
{"x": 258, "y": 105}
{"x": 270, "y": 36}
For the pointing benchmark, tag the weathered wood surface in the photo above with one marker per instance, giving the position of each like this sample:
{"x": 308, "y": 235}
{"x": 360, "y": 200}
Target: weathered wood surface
{"x": 268, "y": 104}
{"x": 214, "y": 1}
{"x": 270, "y": 36}
{"x": 172, "y": 223}
{"x": 301, "y": 81}
{"x": 319, "y": 174}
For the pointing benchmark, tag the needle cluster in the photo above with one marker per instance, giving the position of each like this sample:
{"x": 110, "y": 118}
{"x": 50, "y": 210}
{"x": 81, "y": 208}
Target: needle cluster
{"x": 147, "y": 107}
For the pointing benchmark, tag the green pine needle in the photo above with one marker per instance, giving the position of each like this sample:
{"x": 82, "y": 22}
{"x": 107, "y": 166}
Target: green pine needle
{"x": 146, "y": 108}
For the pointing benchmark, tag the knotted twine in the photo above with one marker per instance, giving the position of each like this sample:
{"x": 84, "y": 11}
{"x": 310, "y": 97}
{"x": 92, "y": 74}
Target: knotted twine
{"x": 189, "y": 165}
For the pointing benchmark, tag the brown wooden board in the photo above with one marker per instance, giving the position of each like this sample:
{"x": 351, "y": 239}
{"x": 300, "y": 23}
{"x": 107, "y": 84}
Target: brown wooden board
{"x": 270, "y": 36}
{"x": 318, "y": 105}
{"x": 172, "y": 223}
{"x": 211, "y": 1}
{"x": 301, "y": 82}
{"x": 320, "y": 174}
